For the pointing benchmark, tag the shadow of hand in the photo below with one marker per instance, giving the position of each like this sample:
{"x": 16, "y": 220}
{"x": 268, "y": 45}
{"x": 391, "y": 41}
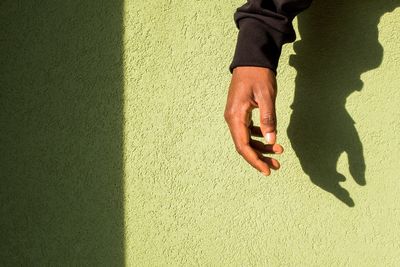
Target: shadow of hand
{"x": 339, "y": 42}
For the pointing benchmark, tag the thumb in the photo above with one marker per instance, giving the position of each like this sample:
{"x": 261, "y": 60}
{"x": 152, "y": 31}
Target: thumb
{"x": 268, "y": 119}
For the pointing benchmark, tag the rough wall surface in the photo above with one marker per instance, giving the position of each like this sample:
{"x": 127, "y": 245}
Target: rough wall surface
{"x": 189, "y": 197}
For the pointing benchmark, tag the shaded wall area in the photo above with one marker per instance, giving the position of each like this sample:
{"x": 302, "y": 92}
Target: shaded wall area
{"x": 61, "y": 117}
{"x": 339, "y": 42}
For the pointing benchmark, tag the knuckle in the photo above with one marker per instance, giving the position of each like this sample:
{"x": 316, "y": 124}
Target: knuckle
{"x": 268, "y": 118}
{"x": 230, "y": 114}
{"x": 227, "y": 116}
{"x": 266, "y": 89}
{"x": 239, "y": 149}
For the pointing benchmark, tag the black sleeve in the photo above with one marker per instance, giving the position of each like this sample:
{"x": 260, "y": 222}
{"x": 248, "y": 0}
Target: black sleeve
{"x": 264, "y": 26}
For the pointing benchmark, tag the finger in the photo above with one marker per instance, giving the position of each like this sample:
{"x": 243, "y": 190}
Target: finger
{"x": 266, "y": 106}
{"x": 272, "y": 163}
{"x": 241, "y": 138}
{"x": 263, "y": 148}
{"x": 255, "y": 160}
{"x": 256, "y": 131}
{"x": 268, "y": 125}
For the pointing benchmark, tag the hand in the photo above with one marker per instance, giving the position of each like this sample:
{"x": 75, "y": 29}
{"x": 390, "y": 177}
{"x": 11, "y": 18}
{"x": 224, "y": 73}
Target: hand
{"x": 250, "y": 88}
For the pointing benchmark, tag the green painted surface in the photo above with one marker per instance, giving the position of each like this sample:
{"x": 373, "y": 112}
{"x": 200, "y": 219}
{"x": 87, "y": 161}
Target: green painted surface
{"x": 61, "y": 120}
{"x": 114, "y": 150}
{"x": 191, "y": 199}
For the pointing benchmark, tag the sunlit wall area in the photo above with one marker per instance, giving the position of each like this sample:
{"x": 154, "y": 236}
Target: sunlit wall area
{"x": 190, "y": 199}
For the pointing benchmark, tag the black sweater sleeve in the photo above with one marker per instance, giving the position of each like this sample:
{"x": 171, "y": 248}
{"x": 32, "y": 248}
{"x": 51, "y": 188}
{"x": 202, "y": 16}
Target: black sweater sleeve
{"x": 264, "y": 26}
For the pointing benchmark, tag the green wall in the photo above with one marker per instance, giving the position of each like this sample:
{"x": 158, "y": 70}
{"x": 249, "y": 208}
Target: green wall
{"x": 115, "y": 152}
{"x": 61, "y": 137}
{"x": 192, "y": 200}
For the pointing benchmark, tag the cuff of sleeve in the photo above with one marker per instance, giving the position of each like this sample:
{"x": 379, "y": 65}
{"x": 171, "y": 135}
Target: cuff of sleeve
{"x": 256, "y": 46}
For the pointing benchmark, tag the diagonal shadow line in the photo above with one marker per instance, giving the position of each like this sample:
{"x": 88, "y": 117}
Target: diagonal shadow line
{"x": 339, "y": 42}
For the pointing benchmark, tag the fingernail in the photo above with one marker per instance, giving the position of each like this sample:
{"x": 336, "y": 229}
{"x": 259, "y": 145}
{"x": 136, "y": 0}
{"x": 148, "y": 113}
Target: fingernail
{"x": 269, "y": 138}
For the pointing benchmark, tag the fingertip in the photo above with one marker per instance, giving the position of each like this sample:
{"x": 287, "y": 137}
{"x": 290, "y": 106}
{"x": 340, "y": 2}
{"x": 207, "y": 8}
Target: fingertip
{"x": 278, "y": 149}
{"x": 266, "y": 173}
{"x": 270, "y": 138}
{"x": 265, "y": 169}
{"x": 272, "y": 163}
{"x": 276, "y": 165}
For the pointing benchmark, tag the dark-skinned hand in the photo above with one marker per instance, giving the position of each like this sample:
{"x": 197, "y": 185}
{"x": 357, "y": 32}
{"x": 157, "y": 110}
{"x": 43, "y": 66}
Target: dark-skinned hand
{"x": 253, "y": 87}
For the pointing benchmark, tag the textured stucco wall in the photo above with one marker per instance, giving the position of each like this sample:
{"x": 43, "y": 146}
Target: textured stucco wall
{"x": 189, "y": 197}
{"x": 114, "y": 150}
